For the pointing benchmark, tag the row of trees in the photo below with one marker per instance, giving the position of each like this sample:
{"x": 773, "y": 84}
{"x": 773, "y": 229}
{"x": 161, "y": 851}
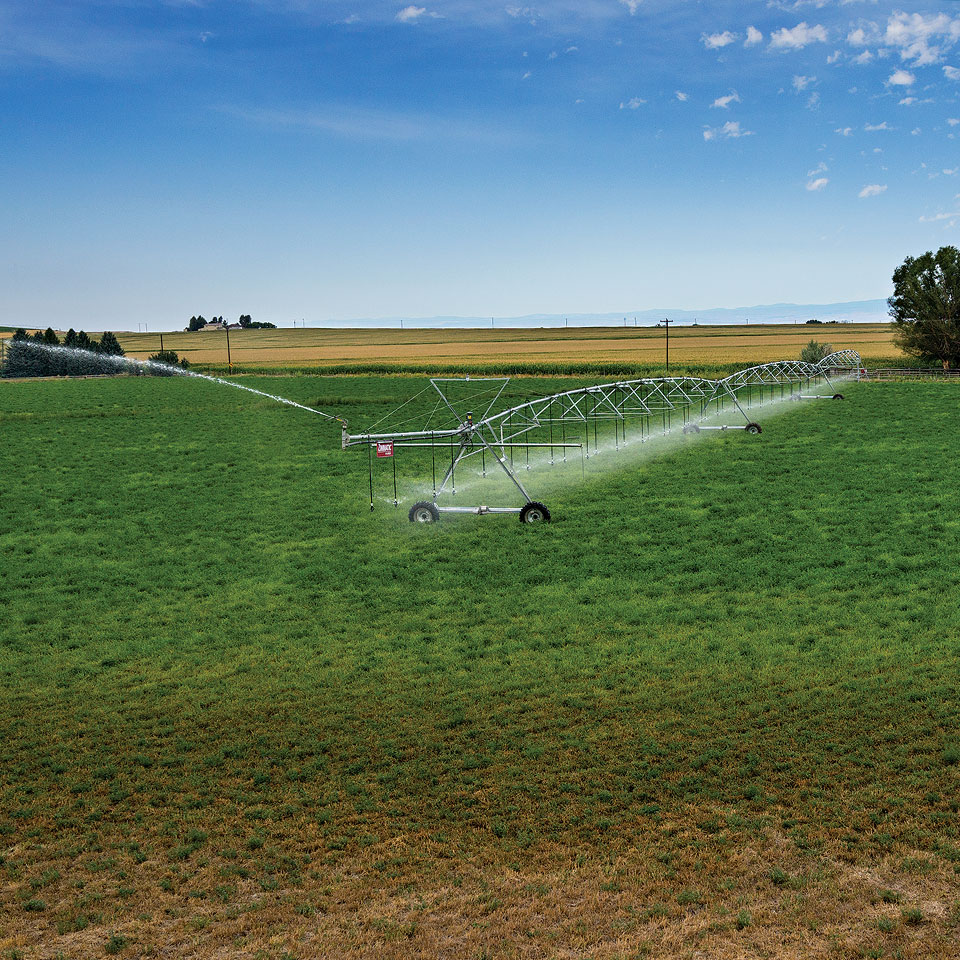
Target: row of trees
{"x": 42, "y": 354}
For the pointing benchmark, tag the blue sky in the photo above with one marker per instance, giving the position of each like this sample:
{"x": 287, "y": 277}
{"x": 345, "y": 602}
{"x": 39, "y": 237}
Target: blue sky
{"x": 319, "y": 159}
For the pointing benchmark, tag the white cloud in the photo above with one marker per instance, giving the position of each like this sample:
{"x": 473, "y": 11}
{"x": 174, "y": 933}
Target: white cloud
{"x": 724, "y": 102}
{"x": 801, "y": 83}
{"x": 940, "y": 216}
{"x": 411, "y": 13}
{"x": 715, "y": 41}
{"x": 835, "y": 56}
{"x": 527, "y": 76}
{"x": 524, "y": 13}
{"x": 632, "y": 5}
{"x": 797, "y": 38}
{"x": 754, "y": 36}
{"x": 571, "y": 50}
{"x": 821, "y": 167}
{"x": 870, "y": 127}
{"x": 953, "y": 121}
{"x": 921, "y": 38}
{"x": 552, "y": 55}
{"x": 818, "y": 184}
{"x": 844, "y": 131}
{"x": 633, "y": 103}
{"x": 951, "y": 73}
{"x": 915, "y": 132}
{"x": 907, "y": 101}
{"x": 813, "y": 101}
{"x": 901, "y": 78}
{"x": 858, "y": 37}
{"x": 730, "y": 130}
{"x": 681, "y": 96}
{"x": 863, "y": 59}
{"x": 872, "y": 190}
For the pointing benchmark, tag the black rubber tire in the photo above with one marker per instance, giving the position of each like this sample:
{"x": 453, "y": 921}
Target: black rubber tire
{"x": 534, "y": 512}
{"x": 838, "y": 396}
{"x": 424, "y": 512}
{"x": 691, "y": 428}
{"x": 753, "y": 428}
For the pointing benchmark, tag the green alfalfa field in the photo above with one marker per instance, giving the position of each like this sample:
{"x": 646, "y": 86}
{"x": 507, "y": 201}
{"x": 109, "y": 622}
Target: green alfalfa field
{"x": 711, "y": 710}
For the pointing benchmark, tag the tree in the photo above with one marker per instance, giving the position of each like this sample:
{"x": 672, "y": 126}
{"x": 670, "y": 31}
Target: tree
{"x": 110, "y": 345}
{"x": 50, "y": 338}
{"x": 925, "y": 306}
{"x": 70, "y": 340}
{"x": 19, "y": 334}
{"x": 814, "y": 352}
{"x": 197, "y": 323}
{"x": 83, "y": 341}
{"x": 245, "y": 320}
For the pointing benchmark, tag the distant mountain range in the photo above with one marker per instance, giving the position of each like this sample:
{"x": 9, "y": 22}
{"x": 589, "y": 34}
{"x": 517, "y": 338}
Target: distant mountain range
{"x": 852, "y": 311}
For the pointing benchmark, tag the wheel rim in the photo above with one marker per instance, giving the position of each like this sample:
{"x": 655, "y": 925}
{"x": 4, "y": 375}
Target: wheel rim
{"x": 533, "y": 516}
{"x": 423, "y": 515}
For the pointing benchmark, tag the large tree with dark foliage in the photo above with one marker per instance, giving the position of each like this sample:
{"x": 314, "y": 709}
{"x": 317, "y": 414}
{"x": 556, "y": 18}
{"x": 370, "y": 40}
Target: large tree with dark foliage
{"x": 925, "y": 306}
{"x": 110, "y": 345}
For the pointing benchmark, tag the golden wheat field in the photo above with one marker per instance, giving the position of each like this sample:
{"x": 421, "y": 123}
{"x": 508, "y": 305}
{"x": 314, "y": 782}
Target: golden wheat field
{"x": 642, "y": 345}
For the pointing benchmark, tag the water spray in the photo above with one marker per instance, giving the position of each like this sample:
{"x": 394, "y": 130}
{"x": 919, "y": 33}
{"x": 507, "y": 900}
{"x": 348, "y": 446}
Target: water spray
{"x": 582, "y": 420}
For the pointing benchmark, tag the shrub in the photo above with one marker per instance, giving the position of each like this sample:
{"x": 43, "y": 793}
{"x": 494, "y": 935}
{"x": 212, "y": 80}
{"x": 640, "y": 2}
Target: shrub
{"x": 168, "y": 358}
{"x": 814, "y": 352}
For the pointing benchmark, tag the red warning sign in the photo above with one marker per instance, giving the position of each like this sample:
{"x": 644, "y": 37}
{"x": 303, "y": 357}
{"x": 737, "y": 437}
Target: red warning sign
{"x": 385, "y": 448}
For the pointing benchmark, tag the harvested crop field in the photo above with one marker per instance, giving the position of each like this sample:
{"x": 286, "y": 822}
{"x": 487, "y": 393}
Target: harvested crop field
{"x": 638, "y": 345}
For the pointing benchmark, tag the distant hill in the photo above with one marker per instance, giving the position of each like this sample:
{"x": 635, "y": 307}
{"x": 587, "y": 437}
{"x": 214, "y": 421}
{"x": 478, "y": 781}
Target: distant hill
{"x": 853, "y": 311}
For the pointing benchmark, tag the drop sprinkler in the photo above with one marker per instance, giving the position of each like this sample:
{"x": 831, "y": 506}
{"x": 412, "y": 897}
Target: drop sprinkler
{"x": 579, "y": 420}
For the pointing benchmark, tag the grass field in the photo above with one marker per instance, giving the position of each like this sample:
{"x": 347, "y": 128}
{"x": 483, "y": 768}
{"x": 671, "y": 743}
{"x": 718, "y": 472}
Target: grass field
{"x": 710, "y": 711}
{"x": 544, "y": 348}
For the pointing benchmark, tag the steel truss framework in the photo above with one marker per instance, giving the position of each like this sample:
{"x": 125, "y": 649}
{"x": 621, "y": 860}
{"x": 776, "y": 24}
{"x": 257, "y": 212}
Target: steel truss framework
{"x": 581, "y": 419}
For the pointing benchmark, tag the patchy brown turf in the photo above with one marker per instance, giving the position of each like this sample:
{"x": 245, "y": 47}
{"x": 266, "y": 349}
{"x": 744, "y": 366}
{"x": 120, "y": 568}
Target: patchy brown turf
{"x": 684, "y": 894}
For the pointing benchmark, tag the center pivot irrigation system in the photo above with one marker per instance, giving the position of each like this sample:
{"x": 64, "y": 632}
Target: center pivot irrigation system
{"x": 581, "y": 419}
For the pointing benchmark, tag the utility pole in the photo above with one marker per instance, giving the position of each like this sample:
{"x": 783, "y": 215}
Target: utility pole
{"x": 666, "y": 323}
{"x": 161, "y": 341}
{"x": 229, "y": 362}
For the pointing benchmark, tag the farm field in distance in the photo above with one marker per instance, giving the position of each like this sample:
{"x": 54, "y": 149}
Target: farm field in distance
{"x": 709, "y": 711}
{"x": 750, "y": 343}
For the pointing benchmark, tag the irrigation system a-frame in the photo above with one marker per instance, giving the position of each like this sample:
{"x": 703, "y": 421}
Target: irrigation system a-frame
{"x": 587, "y": 419}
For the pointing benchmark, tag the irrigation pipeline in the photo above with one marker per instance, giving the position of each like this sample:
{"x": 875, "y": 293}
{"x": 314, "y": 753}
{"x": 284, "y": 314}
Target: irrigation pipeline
{"x": 572, "y": 419}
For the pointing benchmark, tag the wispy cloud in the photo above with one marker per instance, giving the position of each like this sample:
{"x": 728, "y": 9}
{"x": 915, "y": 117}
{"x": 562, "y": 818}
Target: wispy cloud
{"x": 844, "y": 131}
{"x": 724, "y": 102}
{"x": 729, "y": 131}
{"x": 797, "y": 38}
{"x": 716, "y": 41}
{"x": 681, "y": 96}
{"x": 935, "y": 218}
{"x": 951, "y": 73}
{"x": 871, "y": 127}
{"x": 632, "y": 104}
{"x": 818, "y": 184}
{"x": 411, "y": 14}
{"x": 362, "y": 123}
{"x": 872, "y": 190}
{"x": 754, "y": 36}
{"x": 821, "y": 167}
{"x": 632, "y": 5}
{"x": 801, "y": 83}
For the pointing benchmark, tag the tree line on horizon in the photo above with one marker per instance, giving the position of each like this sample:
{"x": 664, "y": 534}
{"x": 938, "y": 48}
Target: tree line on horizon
{"x": 246, "y": 323}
